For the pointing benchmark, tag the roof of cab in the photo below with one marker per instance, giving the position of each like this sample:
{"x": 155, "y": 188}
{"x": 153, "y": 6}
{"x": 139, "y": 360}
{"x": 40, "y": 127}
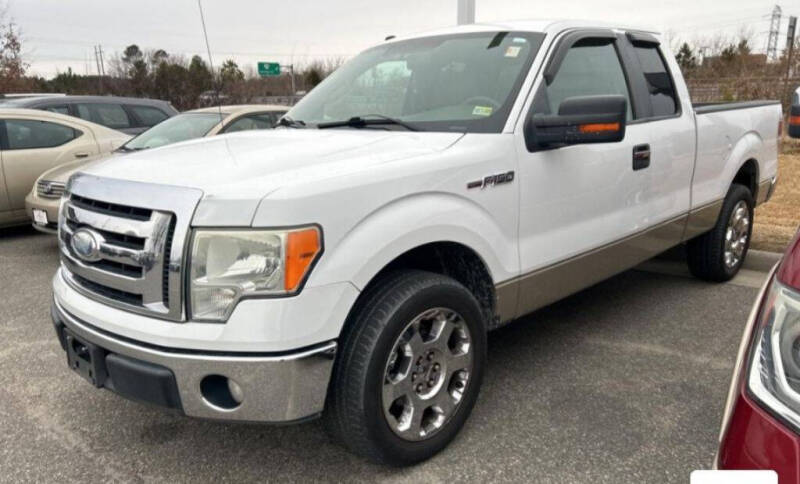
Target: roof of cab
{"x": 548, "y": 26}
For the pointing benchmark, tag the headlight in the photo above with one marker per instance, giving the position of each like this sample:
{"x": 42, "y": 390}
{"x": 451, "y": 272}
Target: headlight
{"x": 774, "y": 377}
{"x": 227, "y": 265}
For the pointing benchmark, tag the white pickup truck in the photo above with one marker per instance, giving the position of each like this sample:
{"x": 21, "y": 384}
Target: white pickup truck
{"x": 433, "y": 188}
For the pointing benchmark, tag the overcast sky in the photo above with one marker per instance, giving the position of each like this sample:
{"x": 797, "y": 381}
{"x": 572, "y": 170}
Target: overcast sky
{"x": 58, "y": 34}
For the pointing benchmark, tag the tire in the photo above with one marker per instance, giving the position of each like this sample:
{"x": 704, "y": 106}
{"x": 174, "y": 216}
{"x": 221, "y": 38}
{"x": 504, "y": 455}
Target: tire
{"x": 392, "y": 315}
{"x": 706, "y": 254}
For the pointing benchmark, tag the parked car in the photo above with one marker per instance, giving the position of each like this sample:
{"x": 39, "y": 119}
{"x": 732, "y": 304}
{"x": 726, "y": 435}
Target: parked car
{"x": 32, "y": 142}
{"x": 44, "y": 198}
{"x": 794, "y": 115}
{"x": 761, "y": 423}
{"x": 431, "y": 189}
{"x": 18, "y": 95}
{"x": 127, "y": 114}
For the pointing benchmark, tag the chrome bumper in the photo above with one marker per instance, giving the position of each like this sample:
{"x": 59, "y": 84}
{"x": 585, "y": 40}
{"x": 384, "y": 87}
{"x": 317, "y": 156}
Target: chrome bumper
{"x": 275, "y": 388}
{"x": 46, "y": 229}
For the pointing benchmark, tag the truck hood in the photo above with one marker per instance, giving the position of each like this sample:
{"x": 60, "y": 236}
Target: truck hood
{"x": 252, "y": 164}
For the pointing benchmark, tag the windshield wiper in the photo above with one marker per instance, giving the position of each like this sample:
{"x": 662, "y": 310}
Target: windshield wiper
{"x": 128, "y": 149}
{"x": 292, "y": 123}
{"x": 362, "y": 121}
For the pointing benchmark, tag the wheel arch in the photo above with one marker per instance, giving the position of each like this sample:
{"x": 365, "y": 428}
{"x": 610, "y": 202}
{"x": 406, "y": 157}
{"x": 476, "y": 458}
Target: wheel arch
{"x": 436, "y": 232}
{"x": 748, "y": 175}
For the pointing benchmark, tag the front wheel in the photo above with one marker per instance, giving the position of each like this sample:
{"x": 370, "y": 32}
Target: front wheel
{"x": 718, "y": 254}
{"x": 410, "y": 368}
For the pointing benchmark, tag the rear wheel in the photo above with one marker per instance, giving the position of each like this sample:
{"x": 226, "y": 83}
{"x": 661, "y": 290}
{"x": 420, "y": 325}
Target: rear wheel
{"x": 718, "y": 254}
{"x": 410, "y": 368}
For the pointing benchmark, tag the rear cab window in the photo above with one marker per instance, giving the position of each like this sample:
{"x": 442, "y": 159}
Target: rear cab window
{"x": 660, "y": 86}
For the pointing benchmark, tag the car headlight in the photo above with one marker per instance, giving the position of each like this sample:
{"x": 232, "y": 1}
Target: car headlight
{"x": 774, "y": 376}
{"x": 227, "y": 265}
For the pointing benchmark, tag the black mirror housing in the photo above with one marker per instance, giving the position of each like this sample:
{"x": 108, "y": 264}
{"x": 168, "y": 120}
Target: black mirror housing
{"x": 794, "y": 121}
{"x": 580, "y": 120}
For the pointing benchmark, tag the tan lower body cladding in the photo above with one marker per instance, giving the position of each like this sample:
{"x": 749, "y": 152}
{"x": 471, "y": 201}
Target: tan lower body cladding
{"x": 529, "y": 292}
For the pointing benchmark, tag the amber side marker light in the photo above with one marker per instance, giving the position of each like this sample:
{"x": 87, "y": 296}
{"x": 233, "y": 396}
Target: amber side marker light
{"x": 598, "y": 127}
{"x": 302, "y": 248}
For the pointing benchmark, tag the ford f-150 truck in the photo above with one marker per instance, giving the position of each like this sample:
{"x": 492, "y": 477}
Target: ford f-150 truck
{"x": 350, "y": 263}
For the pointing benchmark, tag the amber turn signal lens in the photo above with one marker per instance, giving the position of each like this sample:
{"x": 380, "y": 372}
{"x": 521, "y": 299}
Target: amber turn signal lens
{"x": 794, "y": 120}
{"x": 598, "y": 127}
{"x": 302, "y": 248}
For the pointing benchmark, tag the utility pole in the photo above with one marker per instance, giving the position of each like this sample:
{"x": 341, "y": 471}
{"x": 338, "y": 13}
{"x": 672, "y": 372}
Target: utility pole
{"x": 291, "y": 73}
{"x": 790, "y": 32}
{"x": 99, "y": 69}
{"x": 290, "y": 67}
{"x": 102, "y": 61}
{"x": 789, "y": 51}
{"x": 774, "y": 33}
{"x": 466, "y": 12}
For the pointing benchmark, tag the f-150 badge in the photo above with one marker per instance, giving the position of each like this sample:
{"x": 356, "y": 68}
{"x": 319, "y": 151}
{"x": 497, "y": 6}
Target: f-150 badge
{"x": 492, "y": 180}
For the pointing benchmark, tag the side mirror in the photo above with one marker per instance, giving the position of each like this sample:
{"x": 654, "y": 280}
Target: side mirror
{"x": 794, "y": 121}
{"x": 584, "y": 119}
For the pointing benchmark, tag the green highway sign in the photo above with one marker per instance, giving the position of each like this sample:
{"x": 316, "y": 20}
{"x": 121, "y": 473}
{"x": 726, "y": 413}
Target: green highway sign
{"x": 268, "y": 69}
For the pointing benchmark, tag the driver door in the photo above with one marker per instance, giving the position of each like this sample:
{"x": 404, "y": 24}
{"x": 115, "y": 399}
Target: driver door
{"x": 578, "y": 202}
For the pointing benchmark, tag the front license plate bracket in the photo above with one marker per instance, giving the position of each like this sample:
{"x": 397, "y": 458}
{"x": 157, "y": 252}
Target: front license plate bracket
{"x": 86, "y": 359}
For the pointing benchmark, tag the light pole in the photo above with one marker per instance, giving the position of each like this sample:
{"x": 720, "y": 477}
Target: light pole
{"x": 466, "y": 12}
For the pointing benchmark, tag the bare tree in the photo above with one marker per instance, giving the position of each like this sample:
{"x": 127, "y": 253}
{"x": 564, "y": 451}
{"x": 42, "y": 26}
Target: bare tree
{"x": 12, "y": 65}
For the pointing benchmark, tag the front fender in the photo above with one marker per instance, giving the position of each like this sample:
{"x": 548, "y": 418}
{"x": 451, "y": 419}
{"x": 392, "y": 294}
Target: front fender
{"x": 413, "y": 221}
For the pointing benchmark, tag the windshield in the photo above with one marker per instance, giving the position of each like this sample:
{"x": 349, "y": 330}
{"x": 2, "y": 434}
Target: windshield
{"x": 463, "y": 82}
{"x": 177, "y": 128}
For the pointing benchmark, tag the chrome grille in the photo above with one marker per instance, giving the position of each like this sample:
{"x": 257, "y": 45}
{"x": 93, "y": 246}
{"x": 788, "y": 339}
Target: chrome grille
{"x": 132, "y": 238}
{"x": 50, "y": 189}
{"x": 128, "y": 252}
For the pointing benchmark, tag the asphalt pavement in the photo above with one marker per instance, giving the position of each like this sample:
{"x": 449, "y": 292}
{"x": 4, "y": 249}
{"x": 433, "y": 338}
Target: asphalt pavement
{"x": 623, "y": 382}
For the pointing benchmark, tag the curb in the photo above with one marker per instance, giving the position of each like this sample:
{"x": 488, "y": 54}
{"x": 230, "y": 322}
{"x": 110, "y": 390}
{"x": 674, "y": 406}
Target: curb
{"x": 756, "y": 260}
{"x": 761, "y": 260}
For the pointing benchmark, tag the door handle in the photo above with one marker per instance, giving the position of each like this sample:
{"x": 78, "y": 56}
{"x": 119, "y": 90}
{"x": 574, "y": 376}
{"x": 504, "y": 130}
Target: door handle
{"x": 82, "y": 154}
{"x": 641, "y": 156}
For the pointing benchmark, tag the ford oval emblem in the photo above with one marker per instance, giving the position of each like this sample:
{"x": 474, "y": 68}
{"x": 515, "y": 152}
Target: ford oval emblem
{"x": 85, "y": 244}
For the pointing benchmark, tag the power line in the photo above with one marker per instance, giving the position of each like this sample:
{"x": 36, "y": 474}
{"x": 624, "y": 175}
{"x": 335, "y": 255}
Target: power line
{"x": 56, "y": 41}
{"x": 721, "y": 25}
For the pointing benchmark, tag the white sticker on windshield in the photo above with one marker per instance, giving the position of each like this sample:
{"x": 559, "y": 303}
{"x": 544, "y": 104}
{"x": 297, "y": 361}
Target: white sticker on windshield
{"x": 520, "y": 40}
{"x": 482, "y": 111}
{"x": 513, "y": 50}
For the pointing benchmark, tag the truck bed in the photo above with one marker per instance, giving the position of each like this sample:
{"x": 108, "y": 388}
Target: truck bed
{"x": 705, "y": 108}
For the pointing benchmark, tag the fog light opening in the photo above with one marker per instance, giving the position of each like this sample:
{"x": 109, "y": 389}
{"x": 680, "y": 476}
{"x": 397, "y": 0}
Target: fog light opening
{"x": 221, "y": 392}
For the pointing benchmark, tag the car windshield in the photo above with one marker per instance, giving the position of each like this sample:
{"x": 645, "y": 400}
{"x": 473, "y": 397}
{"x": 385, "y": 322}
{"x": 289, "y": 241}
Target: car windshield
{"x": 177, "y": 128}
{"x": 462, "y": 82}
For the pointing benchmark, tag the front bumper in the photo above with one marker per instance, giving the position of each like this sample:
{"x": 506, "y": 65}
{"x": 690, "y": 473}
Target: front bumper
{"x": 274, "y": 387}
{"x": 49, "y": 205}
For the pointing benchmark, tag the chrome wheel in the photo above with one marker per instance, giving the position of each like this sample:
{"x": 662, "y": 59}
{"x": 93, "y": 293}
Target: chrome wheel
{"x": 427, "y": 373}
{"x": 736, "y": 234}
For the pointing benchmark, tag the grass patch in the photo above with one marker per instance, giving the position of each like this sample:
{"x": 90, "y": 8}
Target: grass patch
{"x": 777, "y": 220}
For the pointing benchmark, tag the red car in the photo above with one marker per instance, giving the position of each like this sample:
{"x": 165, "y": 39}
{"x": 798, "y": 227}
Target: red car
{"x": 761, "y": 424}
